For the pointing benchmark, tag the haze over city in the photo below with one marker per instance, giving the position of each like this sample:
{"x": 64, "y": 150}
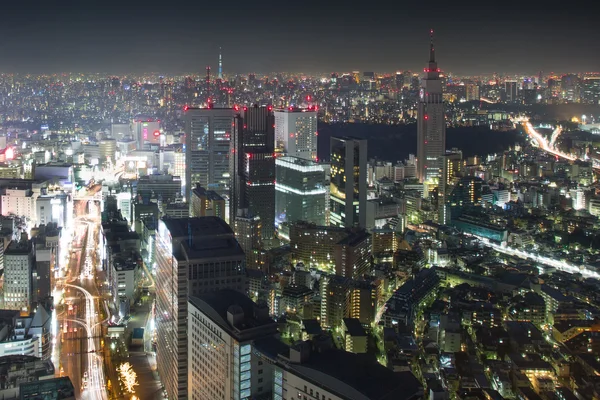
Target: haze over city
{"x": 309, "y": 37}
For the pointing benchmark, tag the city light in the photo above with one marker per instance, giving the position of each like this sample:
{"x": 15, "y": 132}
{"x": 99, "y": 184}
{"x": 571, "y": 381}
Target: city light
{"x": 128, "y": 377}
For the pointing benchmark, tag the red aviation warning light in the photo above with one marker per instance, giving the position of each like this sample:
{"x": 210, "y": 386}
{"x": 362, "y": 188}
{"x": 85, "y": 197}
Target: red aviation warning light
{"x": 270, "y": 107}
{"x": 426, "y": 117}
{"x": 236, "y": 107}
{"x": 156, "y": 133}
{"x": 185, "y": 108}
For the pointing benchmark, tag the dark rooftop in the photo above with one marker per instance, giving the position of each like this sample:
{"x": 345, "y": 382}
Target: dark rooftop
{"x": 358, "y": 373}
{"x": 216, "y": 306}
{"x": 354, "y": 327}
{"x": 198, "y": 226}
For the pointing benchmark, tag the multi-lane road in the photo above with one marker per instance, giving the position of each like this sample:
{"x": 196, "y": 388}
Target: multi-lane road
{"x": 78, "y": 340}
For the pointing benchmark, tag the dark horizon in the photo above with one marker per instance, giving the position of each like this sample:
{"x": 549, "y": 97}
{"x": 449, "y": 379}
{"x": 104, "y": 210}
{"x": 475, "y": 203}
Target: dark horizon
{"x": 113, "y": 38}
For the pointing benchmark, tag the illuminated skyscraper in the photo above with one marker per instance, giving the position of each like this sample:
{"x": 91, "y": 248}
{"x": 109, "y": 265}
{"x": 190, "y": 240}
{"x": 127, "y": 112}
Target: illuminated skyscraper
{"x": 431, "y": 126}
{"x": 348, "y": 185}
{"x": 194, "y": 256}
{"x": 296, "y": 132}
{"x": 452, "y": 165}
{"x": 300, "y": 193}
{"x": 207, "y": 137}
{"x": 252, "y": 167}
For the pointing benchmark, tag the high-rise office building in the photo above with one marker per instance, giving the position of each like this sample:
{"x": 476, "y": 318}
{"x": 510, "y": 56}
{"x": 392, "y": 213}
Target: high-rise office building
{"x": 18, "y": 266}
{"x": 146, "y": 131}
{"x": 300, "y": 193}
{"x": 399, "y": 81}
{"x": 193, "y": 256}
{"x": 207, "y": 137}
{"x": 431, "y": 125}
{"x": 223, "y": 327}
{"x": 248, "y": 232}
{"x": 348, "y": 182}
{"x": 511, "y": 89}
{"x": 296, "y": 132}
{"x": 252, "y": 167}
{"x": 452, "y": 165}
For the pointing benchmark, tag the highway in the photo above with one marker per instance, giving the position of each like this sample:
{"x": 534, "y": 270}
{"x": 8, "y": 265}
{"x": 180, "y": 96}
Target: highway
{"x": 542, "y": 142}
{"x": 561, "y": 265}
{"x": 78, "y": 341}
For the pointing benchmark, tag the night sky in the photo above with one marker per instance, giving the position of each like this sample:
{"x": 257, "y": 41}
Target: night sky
{"x": 301, "y": 36}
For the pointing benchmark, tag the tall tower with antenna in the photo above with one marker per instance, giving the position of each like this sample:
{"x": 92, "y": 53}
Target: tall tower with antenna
{"x": 220, "y": 65}
{"x": 431, "y": 124}
{"x": 208, "y": 84}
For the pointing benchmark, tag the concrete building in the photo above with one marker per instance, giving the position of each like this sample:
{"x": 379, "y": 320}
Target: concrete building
{"x": 126, "y": 276}
{"x": 146, "y": 131}
{"x": 193, "y": 256}
{"x": 47, "y": 252}
{"x": 26, "y": 334}
{"x": 18, "y": 268}
{"x": 207, "y": 203}
{"x": 355, "y": 337}
{"x": 316, "y": 370}
{"x": 166, "y": 188}
{"x": 19, "y": 202}
{"x": 17, "y": 369}
{"x": 348, "y": 182}
{"x": 222, "y": 328}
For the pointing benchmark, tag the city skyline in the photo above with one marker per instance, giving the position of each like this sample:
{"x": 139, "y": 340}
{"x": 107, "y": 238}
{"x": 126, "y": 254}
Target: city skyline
{"x": 132, "y": 39}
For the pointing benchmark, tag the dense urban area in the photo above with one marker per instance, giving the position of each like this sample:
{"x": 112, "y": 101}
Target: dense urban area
{"x": 220, "y": 236}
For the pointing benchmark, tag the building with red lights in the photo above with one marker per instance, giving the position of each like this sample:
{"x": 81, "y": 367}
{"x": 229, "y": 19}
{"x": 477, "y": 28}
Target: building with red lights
{"x": 431, "y": 125}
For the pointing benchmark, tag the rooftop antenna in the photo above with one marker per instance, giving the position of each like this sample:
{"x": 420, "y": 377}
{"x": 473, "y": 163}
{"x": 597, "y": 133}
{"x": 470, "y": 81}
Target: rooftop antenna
{"x": 431, "y": 48}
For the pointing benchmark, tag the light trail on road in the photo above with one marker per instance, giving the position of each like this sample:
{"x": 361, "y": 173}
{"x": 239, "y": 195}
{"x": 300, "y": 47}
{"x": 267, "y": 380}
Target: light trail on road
{"x": 584, "y": 270}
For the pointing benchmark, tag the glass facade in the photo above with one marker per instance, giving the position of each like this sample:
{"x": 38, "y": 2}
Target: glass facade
{"x": 299, "y": 191}
{"x": 208, "y": 134}
{"x": 348, "y": 183}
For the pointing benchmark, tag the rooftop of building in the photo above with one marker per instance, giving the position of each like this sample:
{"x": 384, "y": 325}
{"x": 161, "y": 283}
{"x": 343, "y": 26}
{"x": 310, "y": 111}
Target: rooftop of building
{"x": 354, "y": 238}
{"x": 295, "y": 110}
{"x": 210, "y": 194}
{"x": 197, "y": 226}
{"x": 523, "y": 331}
{"x": 15, "y": 362}
{"x": 533, "y": 299}
{"x": 312, "y": 327}
{"x": 356, "y": 376}
{"x": 208, "y": 246}
{"x": 555, "y": 294}
{"x": 178, "y": 206}
{"x": 354, "y": 327}
{"x": 219, "y": 306}
{"x": 563, "y": 326}
{"x": 21, "y": 247}
{"x": 126, "y": 261}
{"x": 296, "y": 291}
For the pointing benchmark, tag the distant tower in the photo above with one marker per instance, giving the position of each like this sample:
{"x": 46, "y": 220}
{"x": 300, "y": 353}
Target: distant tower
{"x": 208, "y": 83}
{"x": 431, "y": 126}
{"x": 220, "y": 65}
